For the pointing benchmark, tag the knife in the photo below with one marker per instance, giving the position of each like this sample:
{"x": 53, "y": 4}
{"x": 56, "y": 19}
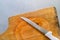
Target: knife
{"x": 47, "y": 33}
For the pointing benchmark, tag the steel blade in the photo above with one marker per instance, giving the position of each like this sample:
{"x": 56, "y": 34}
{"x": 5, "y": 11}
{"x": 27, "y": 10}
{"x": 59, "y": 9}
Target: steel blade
{"x": 35, "y": 25}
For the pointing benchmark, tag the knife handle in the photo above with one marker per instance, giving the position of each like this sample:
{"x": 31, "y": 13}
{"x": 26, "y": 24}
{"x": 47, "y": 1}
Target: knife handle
{"x": 50, "y": 36}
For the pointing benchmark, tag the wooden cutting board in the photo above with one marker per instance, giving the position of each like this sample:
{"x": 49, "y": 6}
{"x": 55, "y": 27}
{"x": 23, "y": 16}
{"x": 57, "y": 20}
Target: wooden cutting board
{"x": 18, "y": 29}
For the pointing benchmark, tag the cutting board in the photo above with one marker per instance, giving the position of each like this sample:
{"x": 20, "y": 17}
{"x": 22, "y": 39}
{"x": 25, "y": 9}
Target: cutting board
{"x": 18, "y": 29}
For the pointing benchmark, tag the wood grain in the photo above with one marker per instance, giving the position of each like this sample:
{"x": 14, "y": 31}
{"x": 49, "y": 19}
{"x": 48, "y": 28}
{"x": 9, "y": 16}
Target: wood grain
{"x": 20, "y": 30}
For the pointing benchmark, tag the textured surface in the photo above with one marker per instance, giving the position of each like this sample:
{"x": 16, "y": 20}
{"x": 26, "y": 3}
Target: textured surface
{"x": 13, "y": 7}
{"x": 20, "y": 30}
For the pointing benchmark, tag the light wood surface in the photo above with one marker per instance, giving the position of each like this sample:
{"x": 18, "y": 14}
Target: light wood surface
{"x": 18, "y": 29}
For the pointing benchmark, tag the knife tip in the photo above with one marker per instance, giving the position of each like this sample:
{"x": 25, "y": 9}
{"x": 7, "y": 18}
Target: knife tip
{"x": 21, "y": 17}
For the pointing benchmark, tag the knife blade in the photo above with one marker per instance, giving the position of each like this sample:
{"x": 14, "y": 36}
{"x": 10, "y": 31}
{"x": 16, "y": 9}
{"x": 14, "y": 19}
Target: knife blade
{"x": 47, "y": 33}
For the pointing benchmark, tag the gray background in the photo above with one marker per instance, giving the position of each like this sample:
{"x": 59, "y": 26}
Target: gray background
{"x": 13, "y": 7}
